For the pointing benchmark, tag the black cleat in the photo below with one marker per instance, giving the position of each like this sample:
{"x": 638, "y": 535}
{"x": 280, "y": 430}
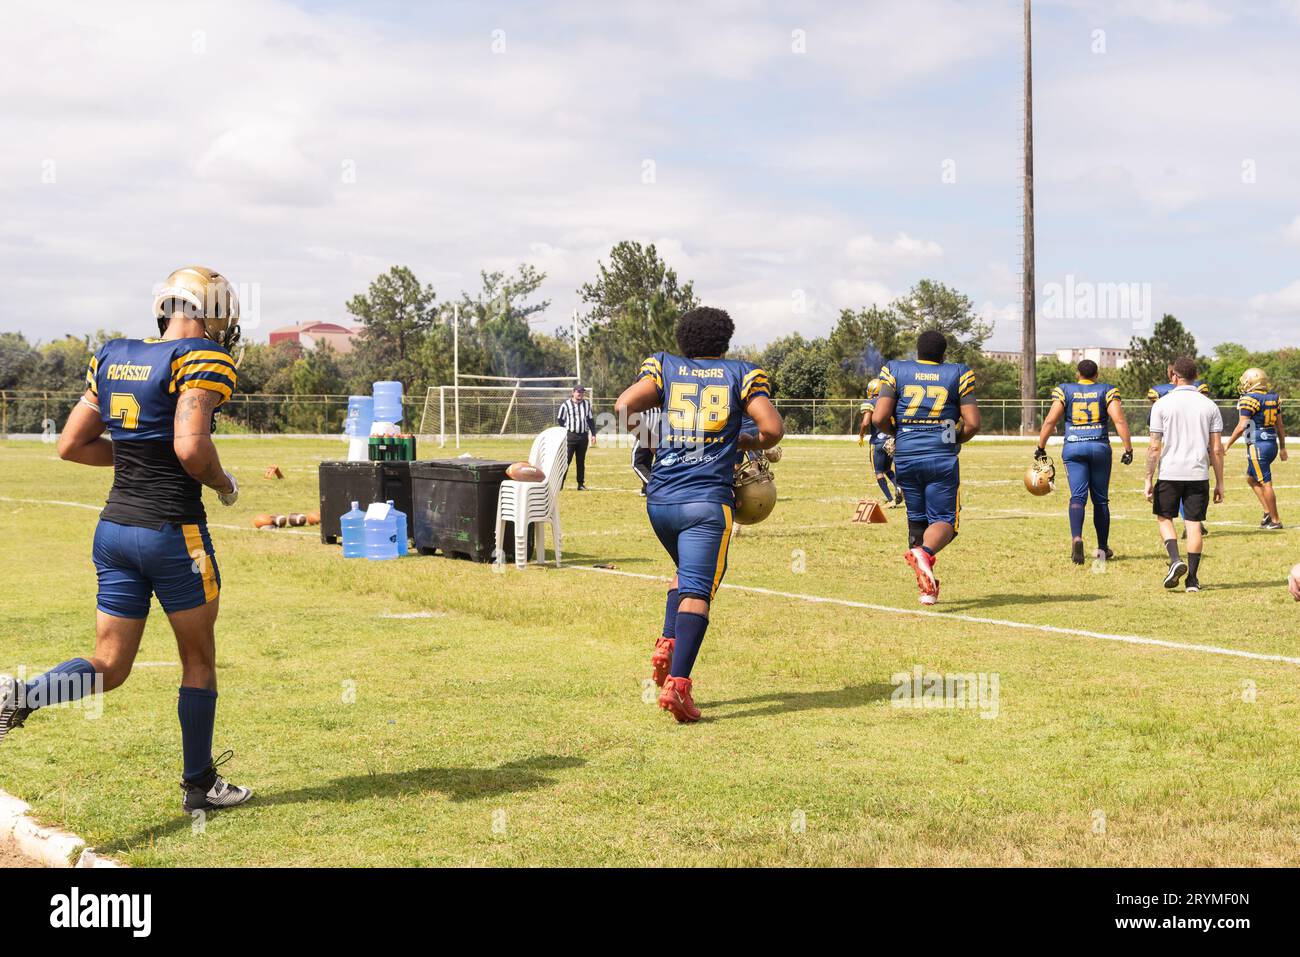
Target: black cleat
{"x": 211, "y": 792}
{"x": 1193, "y": 585}
{"x": 1176, "y": 571}
{"x": 11, "y": 716}
{"x": 1263, "y": 522}
{"x": 1076, "y": 552}
{"x": 1272, "y": 526}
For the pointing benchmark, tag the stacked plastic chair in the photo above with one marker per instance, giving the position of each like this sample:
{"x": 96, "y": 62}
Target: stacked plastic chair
{"x": 535, "y": 503}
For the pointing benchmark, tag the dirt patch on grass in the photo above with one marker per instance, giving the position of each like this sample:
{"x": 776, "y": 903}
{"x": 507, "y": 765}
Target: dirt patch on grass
{"x": 10, "y": 856}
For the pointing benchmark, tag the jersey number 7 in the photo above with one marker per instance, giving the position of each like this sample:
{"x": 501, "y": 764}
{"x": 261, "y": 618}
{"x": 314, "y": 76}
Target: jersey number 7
{"x": 124, "y": 406}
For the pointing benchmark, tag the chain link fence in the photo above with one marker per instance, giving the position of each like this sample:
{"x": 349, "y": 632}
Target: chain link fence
{"x": 33, "y": 413}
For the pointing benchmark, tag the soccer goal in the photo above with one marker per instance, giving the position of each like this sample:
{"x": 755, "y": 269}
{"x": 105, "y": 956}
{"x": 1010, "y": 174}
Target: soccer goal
{"x": 508, "y": 407}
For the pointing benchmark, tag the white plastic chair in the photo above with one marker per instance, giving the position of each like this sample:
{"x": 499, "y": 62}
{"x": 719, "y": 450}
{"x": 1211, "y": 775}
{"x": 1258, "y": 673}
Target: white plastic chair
{"x": 535, "y": 503}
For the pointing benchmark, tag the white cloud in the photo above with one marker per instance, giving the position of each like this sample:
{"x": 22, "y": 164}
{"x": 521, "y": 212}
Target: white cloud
{"x": 1191, "y": 13}
{"x": 1284, "y": 301}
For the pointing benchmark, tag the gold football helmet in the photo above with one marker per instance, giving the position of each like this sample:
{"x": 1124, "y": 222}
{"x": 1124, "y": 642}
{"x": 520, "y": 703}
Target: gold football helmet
{"x": 203, "y": 294}
{"x": 755, "y": 489}
{"x": 1253, "y": 380}
{"x": 1040, "y": 477}
{"x": 873, "y": 388}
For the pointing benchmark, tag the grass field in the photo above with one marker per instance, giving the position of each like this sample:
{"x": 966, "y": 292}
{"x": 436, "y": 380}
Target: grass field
{"x": 508, "y": 724}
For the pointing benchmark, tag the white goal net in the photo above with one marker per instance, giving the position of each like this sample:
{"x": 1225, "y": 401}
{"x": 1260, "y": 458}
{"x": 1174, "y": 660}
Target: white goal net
{"x": 451, "y": 412}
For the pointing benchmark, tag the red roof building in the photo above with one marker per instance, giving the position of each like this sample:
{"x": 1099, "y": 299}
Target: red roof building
{"x": 309, "y": 334}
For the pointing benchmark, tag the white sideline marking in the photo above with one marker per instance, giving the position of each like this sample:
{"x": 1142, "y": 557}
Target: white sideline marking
{"x": 847, "y": 603}
{"x": 97, "y": 508}
{"x": 974, "y": 619}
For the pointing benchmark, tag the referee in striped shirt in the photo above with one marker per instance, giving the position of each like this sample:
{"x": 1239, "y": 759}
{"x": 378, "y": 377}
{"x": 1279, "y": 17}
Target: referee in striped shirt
{"x": 646, "y": 440}
{"x": 575, "y": 415}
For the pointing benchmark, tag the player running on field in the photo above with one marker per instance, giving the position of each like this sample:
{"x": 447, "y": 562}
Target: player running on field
{"x": 930, "y": 406}
{"x": 882, "y": 449}
{"x": 157, "y": 399}
{"x": 1260, "y": 420}
{"x": 690, "y": 495}
{"x": 1087, "y": 406}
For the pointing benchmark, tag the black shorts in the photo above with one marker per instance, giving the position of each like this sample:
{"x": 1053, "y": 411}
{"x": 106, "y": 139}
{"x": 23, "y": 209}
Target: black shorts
{"x": 1171, "y": 495}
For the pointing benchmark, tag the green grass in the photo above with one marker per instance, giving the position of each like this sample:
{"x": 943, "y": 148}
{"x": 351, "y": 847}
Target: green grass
{"x": 509, "y": 726}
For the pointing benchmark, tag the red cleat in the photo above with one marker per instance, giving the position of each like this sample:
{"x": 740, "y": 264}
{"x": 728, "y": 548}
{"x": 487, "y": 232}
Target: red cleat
{"x": 662, "y": 659}
{"x": 931, "y": 599}
{"x": 676, "y": 697}
{"x": 923, "y": 565}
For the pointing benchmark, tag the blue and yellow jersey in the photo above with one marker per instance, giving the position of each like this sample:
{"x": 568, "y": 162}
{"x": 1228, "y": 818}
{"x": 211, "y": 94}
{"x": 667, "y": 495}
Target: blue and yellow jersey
{"x": 1164, "y": 388}
{"x": 1086, "y": 415}
{"x": 876, "y": 436}
{"x": 137, "y": 383}
{"x": 928, "y": 397}
{"x": 703, "y": 402}
{"x": 1263, "y": 410}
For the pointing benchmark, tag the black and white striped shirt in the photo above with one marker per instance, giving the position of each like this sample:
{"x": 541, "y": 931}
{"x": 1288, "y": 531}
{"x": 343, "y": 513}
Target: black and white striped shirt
{"x": 575, "y": 416}
{"x": 646, "y": 428}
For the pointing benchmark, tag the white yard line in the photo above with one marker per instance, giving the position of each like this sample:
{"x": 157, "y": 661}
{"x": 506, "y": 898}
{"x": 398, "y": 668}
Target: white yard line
{"x": 973, "y": 619}
{"x": 96, "y": 508}
{"x": 847, "y": 603}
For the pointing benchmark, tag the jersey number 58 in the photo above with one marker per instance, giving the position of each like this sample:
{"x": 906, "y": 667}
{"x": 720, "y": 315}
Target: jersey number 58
{"x": 709, "y": 415}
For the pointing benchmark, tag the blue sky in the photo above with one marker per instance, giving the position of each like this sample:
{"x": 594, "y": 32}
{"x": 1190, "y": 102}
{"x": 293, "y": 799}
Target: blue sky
{"x": 798, "y": 155}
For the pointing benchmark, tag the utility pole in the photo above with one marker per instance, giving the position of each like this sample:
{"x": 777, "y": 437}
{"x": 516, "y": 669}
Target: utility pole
{"x": 1028, "y": 332}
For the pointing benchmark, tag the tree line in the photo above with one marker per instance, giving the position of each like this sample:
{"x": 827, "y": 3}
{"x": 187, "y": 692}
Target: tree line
{"x": 627, "y": 311}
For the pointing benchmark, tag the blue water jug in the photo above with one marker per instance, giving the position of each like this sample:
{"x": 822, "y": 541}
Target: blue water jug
{"x": 388, "y": 402}
{"x": 361, "y": 413}
{"x": 381, "y": 535}
{"x": 353, "y": 527}
{"x": 401, "y": 528}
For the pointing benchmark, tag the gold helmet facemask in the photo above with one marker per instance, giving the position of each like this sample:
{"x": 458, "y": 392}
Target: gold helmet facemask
{"x": 1253, "y": 380}
{"x": 755, "y": 489}
{"x": 203, "y": 294}
{"x": 1040, "y": 477}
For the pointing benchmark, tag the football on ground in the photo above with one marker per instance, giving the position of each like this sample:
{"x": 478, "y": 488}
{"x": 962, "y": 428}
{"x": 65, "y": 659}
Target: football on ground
{"x": 434, "y": 711}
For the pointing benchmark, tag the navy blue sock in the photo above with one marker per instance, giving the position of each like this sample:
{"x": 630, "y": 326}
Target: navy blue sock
{"x": 1076, "y": 518}
{"x": 690, "y": 635}
{"x": 670, "y": 614}
{"x": 884, "y": 487}
{"x": 1101, "y": 522}
{"x": 197, "y": 709}
{"x": 64, "y": 682}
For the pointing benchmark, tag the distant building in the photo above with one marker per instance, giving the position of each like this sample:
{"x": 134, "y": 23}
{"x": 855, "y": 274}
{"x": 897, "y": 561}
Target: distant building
{"x": 1106, "y": 357}
{"x": 310, "y": 334}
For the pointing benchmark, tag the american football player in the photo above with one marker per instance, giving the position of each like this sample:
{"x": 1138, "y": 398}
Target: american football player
{"x": 882, "y": 449}
{"x": 930, "y": 407}
{"x": 1091, "y": 407}
{"x": 157, "y": 398}
{"x": 690, "y": 495}
{"x": 1260, "y": 420}
{"x": 1159, "y": 391}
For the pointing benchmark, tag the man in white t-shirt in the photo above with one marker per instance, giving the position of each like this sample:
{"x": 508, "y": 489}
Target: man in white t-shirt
{"x": 1186, "y": 440}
